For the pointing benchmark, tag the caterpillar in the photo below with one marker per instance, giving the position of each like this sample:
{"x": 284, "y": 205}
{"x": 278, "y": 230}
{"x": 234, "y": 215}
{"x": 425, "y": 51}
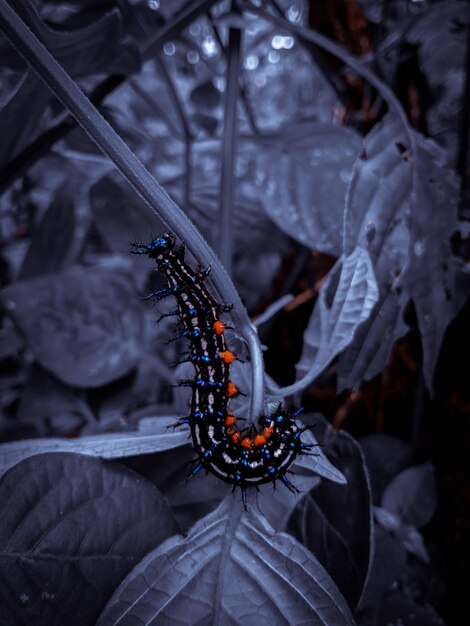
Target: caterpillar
{"x": 243, "y": 457}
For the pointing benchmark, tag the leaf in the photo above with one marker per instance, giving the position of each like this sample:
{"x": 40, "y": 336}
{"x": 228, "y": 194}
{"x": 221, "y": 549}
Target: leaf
{"x": 306, "y": 175}
{"x": 121, "y": 215}
{"x": 335, "y": 521}
{"x": 377, "y": 218}
{"x": 189, "y": 500}
{"x": 369, "y": 352}
{"x": 412, "y": 495}
{"x": 388, "y": 563}
{"x": 385, "y": 456}
{"x": 346, "y": 299}
{"x": 433, "y": 280}
{"x": 408, "y": 535}
{"x": 232, "y": 568}
{"x": 83, "y": 324}
{"x": 317, "y": 461}
{"x": 72, "y": 527}
{"x": 51, "y": 247}
{"x": 52, "y": 407}
{"x": 444, "y": 26}
{"x": 254, "y": 232}
{"x": 106, "y": 446}
{"x": 403, "y": 210}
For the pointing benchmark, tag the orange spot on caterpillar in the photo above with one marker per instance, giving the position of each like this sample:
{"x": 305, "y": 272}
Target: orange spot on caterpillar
{"x": 232, "y": 389}
{"x": 267, "y": 432}
{"x": 230, "y": 420}
{"x": 246, "y": 443}
{"x": 219, "y": 327}
{"x": 259, "y": 440}
{"x": 227, "y": 356}
{"x": 236, "y": 437}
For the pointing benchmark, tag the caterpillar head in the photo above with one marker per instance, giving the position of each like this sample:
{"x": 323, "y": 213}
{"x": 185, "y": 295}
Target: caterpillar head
{"x": 157, "y": 247}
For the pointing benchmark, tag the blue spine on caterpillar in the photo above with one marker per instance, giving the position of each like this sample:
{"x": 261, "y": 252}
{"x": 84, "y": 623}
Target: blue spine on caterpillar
{"x": 240, "y": 456}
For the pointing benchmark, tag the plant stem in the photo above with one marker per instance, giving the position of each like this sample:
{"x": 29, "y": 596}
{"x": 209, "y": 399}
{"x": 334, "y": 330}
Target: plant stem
{"x": 109, "y": 142}
{"x": 229, "y": 148}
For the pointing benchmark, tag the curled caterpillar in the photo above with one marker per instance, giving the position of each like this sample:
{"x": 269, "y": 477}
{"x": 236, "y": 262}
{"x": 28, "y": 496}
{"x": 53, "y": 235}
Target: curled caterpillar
{"x": 240, "y": 456}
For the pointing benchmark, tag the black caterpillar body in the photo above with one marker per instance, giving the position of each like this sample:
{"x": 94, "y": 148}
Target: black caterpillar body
{"x": 243, "y": 457}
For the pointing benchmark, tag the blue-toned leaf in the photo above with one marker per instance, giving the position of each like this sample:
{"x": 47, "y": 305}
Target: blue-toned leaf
{"x": 307, "y": 173}
{"x": 83, "y": 324}
{"x": 51, "y": 247}
{"x": 335, "y": 521}
{"x": 435, "y": 280}
{"x": 443, "y": 27}
{"x": 232, "y": 568}
{"x": 408, "y": 535}
{"x": 106, "y": 446}
{"x": 317, "y": 461}
{"x": 402, "y": 208}
{"x": 385, "y": 456}
{"x": 377, "y": 217}
{"x": 346, "y": 299}
{"x": 412, "y": 495}
{"x": 388, "y": 563}
{"x": 120, "y": 215}
{"x": 71, "y": 528}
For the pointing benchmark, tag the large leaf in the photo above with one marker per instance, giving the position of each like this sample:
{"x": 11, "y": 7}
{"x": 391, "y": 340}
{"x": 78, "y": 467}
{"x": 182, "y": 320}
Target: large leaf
{"x": 402, "y": 208}
{"x": 52, "y": 408}
{"x": 71, "y": 528}
{"x": 232, "y": 568}
{"x": 190, "y": 500}
{"x": 388, "y": 563}
{"x": 253, "y": 231}
{"x": 107, "y": 446}
{"x": 51, "y": 247}
{"x": 377, "y": 218}
{"x": 121, "y": 215}
{"x": 305, "y": 177}
{"x": 434, "y": 279}
{"x": 346, "y": 299}
{"x": 386, "y": 456}
{"x": 407, "y": 534}
{"x": 277, "y": 504}
{"x": 443, "y": 27}
{"x": 83, "y": 324}
{"x": 370, "y": 350}
{"x": 335, "y": 521}
{"x": 412, "y": 495}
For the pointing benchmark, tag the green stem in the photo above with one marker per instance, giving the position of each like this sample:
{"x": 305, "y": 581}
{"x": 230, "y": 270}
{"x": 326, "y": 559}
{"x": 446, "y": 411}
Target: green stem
{"x": 109, "y": 142}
